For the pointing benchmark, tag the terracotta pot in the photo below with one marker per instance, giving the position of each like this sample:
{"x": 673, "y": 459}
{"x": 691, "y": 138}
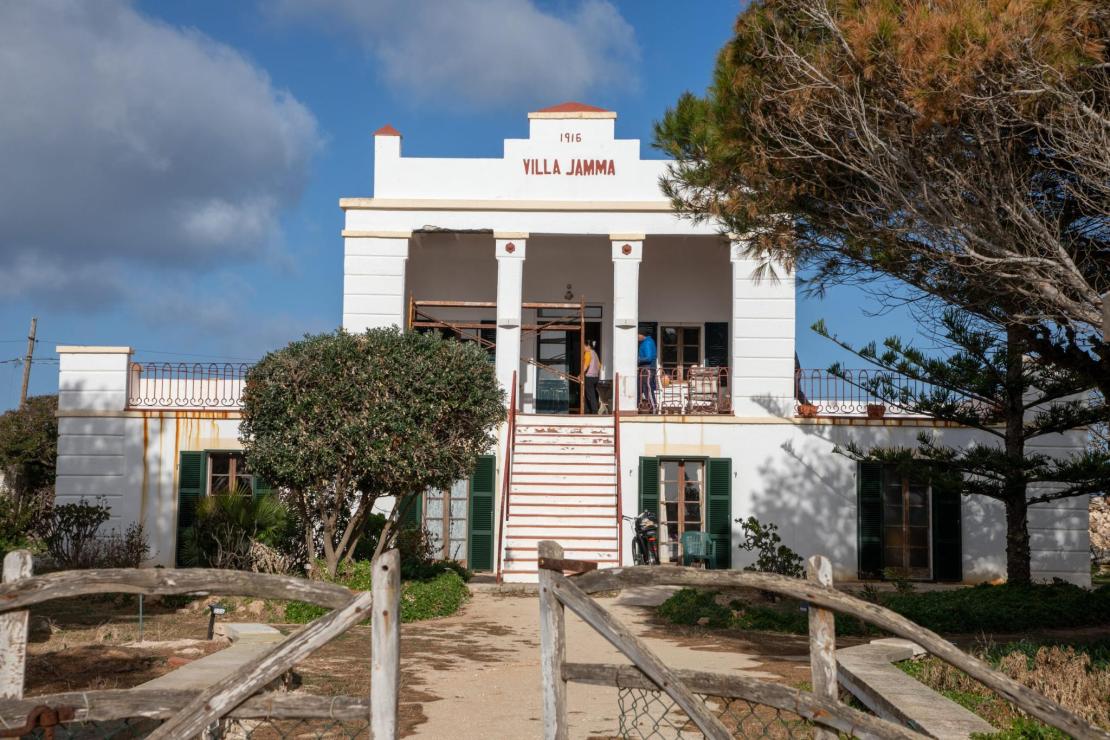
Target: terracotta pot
{"x": 876, "y": 410}
{"x": 807, "y": 410}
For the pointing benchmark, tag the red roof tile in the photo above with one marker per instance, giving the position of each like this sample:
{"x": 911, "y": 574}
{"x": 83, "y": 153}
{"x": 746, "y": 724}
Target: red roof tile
{"x": 387, "y": 130}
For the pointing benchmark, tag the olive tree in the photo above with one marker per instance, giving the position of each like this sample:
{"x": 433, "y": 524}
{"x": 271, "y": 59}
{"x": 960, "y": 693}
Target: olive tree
{"x": 336, "y": 421}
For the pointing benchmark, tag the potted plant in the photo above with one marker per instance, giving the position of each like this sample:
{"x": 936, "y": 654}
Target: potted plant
{"x": 807, "y": 410}
{"x": 876, "y": 410}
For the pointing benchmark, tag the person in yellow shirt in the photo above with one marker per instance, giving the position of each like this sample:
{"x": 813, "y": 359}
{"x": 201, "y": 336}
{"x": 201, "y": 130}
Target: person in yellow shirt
{"x": 592, "y": 365}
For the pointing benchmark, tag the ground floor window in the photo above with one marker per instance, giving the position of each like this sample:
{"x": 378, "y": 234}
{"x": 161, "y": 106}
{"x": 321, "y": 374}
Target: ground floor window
{"x": 908, "y": 528}
{"x": 689, "y": 495}
{"x": 228, "y": 473}
{"x": 681, "y": 504}
{"x": 445, "y": 521}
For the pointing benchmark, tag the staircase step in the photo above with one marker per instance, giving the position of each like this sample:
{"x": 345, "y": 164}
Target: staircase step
{"x": 534, "y": 510}
{"x": 591, "y": 458}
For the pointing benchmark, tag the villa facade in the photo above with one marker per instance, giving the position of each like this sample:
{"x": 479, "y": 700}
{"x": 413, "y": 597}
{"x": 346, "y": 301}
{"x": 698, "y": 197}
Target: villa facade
{"x": 566, "y": 241}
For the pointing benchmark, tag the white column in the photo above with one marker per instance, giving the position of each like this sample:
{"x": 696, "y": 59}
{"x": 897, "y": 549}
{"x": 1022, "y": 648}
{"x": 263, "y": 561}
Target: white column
{"x": 374, "y": 279}
{"x": 509, "y": 250}
{"x": 628, "y": 251}
{"x": 762, "y": 370}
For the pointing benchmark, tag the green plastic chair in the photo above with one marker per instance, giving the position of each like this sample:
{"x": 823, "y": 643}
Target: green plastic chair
{"x": 698, "y": 546}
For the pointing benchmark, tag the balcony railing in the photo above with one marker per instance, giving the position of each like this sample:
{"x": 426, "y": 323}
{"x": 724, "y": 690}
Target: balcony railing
{"x": 186, "y": 385}
{"x": 820, "y": 393}
{"x": 690, "y": 390}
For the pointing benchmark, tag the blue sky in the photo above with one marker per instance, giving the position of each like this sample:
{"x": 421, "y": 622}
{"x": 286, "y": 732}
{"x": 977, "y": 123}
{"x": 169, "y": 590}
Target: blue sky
{"x": 173, "y": 169}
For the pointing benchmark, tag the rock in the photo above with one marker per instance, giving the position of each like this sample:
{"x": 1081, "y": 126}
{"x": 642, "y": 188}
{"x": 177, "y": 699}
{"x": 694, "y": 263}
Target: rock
{"x": 176, "y": 661}
{"x": 39, "y": 628}
{"x": 256, "y": 608}
{"x": 191, "y": 651}
{"x": 703, "y": 621}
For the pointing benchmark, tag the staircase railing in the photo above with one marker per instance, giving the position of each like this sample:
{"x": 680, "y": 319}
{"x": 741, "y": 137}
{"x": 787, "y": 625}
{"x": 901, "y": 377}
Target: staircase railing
{"x": 510, "y": 442}
{"x": 617, "y": 454}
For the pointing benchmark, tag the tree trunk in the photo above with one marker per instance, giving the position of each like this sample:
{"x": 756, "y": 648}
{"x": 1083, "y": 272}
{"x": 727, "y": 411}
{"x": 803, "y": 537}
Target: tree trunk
{"x": 1017, "y": 541}
{"x": 1017, "y": 510}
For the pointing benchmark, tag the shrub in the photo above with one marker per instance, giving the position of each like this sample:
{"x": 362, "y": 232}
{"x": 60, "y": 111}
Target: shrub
{"x": 16, "y": 524}
{"x": 128, "y": 550}
{"x": 226, "y": 526}
{"x": 689, "y": 605}
{"x": 440, "y": 597}
{"x": 773, "y": 557}
{"x": 1004, "y": 608}
{"x": 69, "y": 533}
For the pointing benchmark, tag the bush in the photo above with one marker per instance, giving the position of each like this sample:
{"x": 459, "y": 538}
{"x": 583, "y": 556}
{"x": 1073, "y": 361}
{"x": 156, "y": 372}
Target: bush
{"x": 71, "y": 535}
{"x": 690, "y": 605}
{"x": 774, "y": 557}
{"x": 16, "y": 523}
{"x": 128, "y": 550}
{"x": 225, "y": 528}
{"x": 440, "y": 597}
{"x": 1004, "y": 608}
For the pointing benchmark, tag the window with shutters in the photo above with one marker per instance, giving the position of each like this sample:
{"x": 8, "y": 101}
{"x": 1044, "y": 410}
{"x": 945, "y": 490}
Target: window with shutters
{"x": 680, "y": 346}
{"x": 907, "y": 528}
{"x": 228, "y": 473}
{"x": 681, "y": 504}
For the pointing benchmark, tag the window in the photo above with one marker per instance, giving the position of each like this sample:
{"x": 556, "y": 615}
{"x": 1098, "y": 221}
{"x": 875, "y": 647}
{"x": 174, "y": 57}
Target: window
{"x": 906, "y": 526}
{"x": 681, "y": 504}
{"x": 227, "y": 473}
{"x": 680, "y": 346}
{"x": 445, "y": 520}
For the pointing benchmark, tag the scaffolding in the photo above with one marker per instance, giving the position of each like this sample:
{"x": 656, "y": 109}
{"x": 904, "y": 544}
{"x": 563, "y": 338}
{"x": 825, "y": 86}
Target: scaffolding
{"x": 419, "y": 317}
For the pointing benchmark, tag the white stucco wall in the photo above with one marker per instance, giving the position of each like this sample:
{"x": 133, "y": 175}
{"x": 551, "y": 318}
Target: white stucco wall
{"x": 788, "y": 474}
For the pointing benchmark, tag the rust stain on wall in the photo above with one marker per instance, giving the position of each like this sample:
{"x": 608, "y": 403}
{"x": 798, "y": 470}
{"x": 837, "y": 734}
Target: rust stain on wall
{"x": 143, "y": 493}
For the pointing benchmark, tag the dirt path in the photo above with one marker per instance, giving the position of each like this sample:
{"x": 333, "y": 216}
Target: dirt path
{"x": 476, "y": 674}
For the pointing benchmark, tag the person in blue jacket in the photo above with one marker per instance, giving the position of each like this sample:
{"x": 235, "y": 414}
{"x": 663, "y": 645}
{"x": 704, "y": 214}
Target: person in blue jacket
{"x": 645, "y": 362}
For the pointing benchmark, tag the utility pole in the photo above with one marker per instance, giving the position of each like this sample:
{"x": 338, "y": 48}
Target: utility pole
{"x": 27, "y": 362}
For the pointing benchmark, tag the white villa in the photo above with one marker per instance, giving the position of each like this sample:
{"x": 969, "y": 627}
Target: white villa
{"x": 566, "y": 240}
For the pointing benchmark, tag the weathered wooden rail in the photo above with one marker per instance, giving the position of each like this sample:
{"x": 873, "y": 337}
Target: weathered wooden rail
{"x": 821, "y": 706}
{"x": 189, "y": 713}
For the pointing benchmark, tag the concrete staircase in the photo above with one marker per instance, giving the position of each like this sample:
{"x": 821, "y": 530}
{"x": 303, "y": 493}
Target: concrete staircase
{"x": 562, "y": 487}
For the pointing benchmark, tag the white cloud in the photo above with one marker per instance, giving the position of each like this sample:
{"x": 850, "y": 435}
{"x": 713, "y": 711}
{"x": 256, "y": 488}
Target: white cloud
{"x": 482, "y": 52}
{"x": 128, "y": 144}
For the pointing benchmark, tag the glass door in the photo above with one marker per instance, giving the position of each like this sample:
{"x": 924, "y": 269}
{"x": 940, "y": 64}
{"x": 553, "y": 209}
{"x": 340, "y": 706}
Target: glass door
{"x": 681, "y": 506}
{"x": 906, "y": 527}
{"x": 445, "y": 520}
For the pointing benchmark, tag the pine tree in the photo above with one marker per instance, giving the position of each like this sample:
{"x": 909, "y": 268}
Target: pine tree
{"x": 988, "y": 380}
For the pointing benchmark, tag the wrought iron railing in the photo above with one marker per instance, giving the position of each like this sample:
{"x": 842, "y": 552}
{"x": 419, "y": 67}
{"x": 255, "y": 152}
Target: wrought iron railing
{"x": 821, "y": 393}
{"x": 182, "y": 385}
{"x": 684, "y": 390}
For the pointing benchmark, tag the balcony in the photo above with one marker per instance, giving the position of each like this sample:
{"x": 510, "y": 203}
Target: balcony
{"x": 819, "y": 393}
{"x": 196, "y": 386}
{"x": 690, "y": 391}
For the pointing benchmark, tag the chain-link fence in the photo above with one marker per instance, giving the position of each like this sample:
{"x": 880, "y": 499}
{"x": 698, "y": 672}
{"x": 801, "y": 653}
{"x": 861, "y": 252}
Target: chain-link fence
{"x": 647, "y": 714}
{"x": 227, "y": 729}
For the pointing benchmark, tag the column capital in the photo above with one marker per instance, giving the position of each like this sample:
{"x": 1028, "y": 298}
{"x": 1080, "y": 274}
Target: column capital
{"x": 509, "y": 248}
{"x": 628, "y": 250}
{"x": 510, "y": 235}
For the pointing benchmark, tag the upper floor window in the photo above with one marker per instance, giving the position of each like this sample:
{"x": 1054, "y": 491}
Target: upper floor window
{"x": 680, "y": 346}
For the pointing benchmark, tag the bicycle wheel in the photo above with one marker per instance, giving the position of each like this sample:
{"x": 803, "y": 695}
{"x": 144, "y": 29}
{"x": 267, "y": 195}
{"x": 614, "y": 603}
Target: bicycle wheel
{"x": 637, "y": 553}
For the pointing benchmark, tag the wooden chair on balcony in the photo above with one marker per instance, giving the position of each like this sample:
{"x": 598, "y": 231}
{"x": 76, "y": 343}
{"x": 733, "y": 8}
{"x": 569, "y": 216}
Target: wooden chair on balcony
{"x": 704, "y": 390}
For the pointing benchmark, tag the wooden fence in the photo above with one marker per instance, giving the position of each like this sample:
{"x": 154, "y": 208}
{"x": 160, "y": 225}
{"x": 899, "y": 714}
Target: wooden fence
{"x": 192, "y": 713}
{"x": 821, "y": 706}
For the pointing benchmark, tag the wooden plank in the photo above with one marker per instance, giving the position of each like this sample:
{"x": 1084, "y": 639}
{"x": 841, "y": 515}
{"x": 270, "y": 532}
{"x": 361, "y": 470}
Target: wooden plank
{"x": 1041, "y": 707}
{"x": 822, "y": 640}
{"x": 814, "y": 708}
{"x": 553, "y": 649}
{"x": 638, "y": 652}
{"x": 385, "y": 646}
{"x": 111, "y": 704}
{"x": 167, "y": 581}
{"x": 563, "y": 564}
{"x": 226, "y": 694}
{"x": 13, "y": 630}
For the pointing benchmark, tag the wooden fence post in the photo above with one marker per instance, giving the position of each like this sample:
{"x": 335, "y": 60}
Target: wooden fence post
{"x": 385, "y": 646}
{"x": 13, "y": 630}
{"x": 822, "y": 640}
{"x": 553, "y": 649}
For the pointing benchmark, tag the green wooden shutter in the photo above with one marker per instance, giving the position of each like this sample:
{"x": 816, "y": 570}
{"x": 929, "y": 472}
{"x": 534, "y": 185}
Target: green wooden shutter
{"x": 716, "y": 344}
{"x": 261, "y": 487}
{"x": 869, "y": 477}
{"x": 480, "y": 520}
{"x": 190, "y": 489}
{"x": 412, "y": 518}
{"x": 719, "y": 509}
{"x": 649, "y": 486}
{"x": 947, "y": 535}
